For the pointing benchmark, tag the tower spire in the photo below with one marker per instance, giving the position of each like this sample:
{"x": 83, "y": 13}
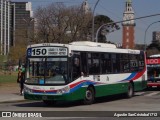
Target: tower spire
{"x": 85, "y": 7}
{"x": 129, "y": 1}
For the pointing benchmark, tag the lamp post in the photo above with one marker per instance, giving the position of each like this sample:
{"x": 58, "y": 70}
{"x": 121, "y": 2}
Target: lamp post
{"x": 28, "y": 22}
{"x": 108, "y": 24}
{"x": 99, "y": 30}
{"x": 146, "y": 33}
{"x": 93, "y": 20}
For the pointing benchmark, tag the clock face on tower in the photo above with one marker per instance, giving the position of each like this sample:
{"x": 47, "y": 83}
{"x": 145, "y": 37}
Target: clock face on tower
{"x": 128, "y": 17}
{"x": 158, "y": 37}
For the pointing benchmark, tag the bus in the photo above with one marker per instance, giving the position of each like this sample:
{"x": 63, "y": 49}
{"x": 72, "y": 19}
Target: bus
{"x": 82, "y": 70}
{"x": 153, "y": 71}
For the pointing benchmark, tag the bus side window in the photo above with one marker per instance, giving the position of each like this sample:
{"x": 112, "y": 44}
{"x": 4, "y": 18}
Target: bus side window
{"x": 115, "y": 63}
{"x": 106, "y": 63}
{"x": 84, "y": 69}
{"x": 134, "y": 63}
{"x": 125, "y": 63}
{"x": 94, "y": 63}
{"x": 76, "y": 67}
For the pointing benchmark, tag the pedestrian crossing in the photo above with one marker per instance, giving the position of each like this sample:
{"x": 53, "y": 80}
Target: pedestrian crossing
{"x": 147, "y": 93}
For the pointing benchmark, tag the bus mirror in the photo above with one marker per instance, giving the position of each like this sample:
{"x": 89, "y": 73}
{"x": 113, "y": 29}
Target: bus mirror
{"x": 84, "y": 74}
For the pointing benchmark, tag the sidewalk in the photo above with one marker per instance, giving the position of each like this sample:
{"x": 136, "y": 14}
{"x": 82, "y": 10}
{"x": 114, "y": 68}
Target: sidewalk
{"x": 10, "y": 93}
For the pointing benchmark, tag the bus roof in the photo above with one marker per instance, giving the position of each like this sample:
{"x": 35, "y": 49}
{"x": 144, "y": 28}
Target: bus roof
{"x": 93, "y": 44}
{"x": 77, "y": 43}
{"x": 89, "y": 46}
{"x": 156, "y": 55}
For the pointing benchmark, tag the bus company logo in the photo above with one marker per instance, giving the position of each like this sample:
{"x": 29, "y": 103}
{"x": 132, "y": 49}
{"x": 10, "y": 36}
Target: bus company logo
{"x": 29, "y": 52}
{"x": 6, "y": 114}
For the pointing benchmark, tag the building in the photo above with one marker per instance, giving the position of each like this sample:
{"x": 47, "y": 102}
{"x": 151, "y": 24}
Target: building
{"x": 128, "y": 26}
{"x": 85, "y": 7}
{"x": 23, "y": 24}
{"x": 14, "y": 16}
{"x": 5, "y": 26}
{"x": 154, "y": 47}
{"x": 156, "y": 37}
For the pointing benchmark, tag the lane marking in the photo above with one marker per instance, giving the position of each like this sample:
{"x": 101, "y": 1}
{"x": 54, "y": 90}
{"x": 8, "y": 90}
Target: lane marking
{"x": 153, "y": 93}
{"x": 140, "y": 93}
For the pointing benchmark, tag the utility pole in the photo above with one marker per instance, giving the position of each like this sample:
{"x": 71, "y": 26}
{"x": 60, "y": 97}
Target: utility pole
{"x": 93, "y": 21}
{"x": 146, "y": 33}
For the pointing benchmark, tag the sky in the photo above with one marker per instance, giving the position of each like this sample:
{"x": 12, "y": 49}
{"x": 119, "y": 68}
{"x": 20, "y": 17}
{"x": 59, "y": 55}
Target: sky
{"x": 114, "y": 9}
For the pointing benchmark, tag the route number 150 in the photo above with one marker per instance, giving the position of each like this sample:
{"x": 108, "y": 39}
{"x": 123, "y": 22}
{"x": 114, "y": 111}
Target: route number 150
{"x": 39, "y": 51}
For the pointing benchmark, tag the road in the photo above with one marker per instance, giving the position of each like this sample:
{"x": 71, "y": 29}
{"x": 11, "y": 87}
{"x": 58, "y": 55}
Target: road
{"x": 142, "y": 101}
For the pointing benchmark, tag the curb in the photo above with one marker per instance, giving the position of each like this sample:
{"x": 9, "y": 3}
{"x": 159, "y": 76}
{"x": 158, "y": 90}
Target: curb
{"x": 12, "y": 101}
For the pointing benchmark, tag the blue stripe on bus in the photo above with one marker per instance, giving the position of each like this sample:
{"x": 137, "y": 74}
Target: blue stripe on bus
{"x": 82, "y": 84}
{"x": 130, "y": 77}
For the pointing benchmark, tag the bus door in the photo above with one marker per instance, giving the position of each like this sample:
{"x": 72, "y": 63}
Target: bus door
{"x": 79, "y": 65}
{"x": 84, "y": 67}
{"x": 75, "y": 66}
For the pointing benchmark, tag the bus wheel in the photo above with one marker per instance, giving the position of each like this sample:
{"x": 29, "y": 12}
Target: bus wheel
{"x": 49, "y": 102}
{"x": 89, "y": 96}
{"x": 130, "y": 91}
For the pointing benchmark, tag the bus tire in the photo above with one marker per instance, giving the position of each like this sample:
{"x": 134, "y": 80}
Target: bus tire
{"x": 89, "y": 96}
{"x": 130, "y": 91}
{"x": 49, "y": 102}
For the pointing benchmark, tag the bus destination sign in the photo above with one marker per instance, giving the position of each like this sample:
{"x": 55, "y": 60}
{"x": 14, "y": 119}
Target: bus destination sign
{"x": 47, "y": 51}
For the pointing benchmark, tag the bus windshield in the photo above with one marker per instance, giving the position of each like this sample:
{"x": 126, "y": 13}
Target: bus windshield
{"x": 47, "y": 70}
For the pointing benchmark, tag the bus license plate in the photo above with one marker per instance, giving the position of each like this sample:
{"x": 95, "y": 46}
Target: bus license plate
{"x": 44, "y": 97}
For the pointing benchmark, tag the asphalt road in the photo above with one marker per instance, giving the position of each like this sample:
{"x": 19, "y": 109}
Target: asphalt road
{"x": 142, "y": 102}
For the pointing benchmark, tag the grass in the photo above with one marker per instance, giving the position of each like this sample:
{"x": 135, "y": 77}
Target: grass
{"x": 7, "y": 78}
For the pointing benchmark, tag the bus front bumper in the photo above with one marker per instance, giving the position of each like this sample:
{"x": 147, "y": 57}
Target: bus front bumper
{"x": 63, "y": 97}
{"x": 48, "y": 97}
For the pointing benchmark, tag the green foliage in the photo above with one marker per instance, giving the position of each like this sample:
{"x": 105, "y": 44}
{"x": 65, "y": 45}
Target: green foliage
{"x": 17, "y": 53}
{"x": 102, "y": 19}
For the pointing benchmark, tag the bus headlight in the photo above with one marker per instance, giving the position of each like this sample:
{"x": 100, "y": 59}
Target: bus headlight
{"x": 27, "y": 90}
{"x": 63, "y": 90}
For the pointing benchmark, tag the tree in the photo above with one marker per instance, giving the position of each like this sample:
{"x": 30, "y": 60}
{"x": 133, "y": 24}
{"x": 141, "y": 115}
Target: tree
{"x": 58, "y": 23}
{"x": 18, "y": 51}
{"x": 152, "y": 52}
{"x": 61, "y": 24}
{"x": 153, "y": 48}
{"x": 100, "y": 20}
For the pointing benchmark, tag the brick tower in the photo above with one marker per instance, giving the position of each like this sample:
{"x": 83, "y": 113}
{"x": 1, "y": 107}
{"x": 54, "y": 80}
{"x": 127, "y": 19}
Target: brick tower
{"x": 128, "y": 26}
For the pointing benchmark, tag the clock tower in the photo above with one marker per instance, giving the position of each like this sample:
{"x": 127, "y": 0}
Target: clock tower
{"x": 128, "y": 26}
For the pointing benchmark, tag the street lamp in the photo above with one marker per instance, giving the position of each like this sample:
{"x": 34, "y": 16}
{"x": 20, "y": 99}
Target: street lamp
{"x": 99, "y": 30}
{"x": 28, "y": 22}
{"x": 146, "y": 33}
{"x": 108, "y": 25}
{"x": 93, "y": 20}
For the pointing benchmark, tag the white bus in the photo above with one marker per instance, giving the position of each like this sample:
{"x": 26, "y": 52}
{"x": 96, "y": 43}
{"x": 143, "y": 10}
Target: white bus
{"x": 82, "y": 71}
